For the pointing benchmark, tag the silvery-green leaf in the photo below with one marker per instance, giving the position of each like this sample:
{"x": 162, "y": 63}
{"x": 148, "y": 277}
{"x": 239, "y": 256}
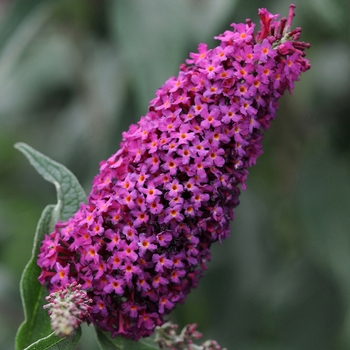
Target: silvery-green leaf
{"x": 37, "y": 322}
{"x": 53, "y": 342}
{"x": 69, "y": 194}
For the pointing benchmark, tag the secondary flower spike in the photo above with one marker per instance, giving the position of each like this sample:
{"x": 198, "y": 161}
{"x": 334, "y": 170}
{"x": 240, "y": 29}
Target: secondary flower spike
{"x": 68, "y": 308}
{"x": 142, "y": 241}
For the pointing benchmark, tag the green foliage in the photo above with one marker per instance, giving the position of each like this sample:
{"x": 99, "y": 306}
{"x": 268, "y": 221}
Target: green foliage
{"x": 37, "y": 321}
{"x": 69, "y": 194}
{"x": 53, "y": 342}
{"x": 119, "y": 343}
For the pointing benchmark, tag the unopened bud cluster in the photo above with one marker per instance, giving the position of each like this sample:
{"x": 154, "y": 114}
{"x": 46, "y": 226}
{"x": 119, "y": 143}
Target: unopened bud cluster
{"x": 167, "y": 338}
{"x": 68, "y": 308}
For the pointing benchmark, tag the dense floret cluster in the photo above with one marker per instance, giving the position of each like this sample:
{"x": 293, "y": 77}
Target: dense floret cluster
{"x": 68, "y": 308}
{"x": 142, "y": 241}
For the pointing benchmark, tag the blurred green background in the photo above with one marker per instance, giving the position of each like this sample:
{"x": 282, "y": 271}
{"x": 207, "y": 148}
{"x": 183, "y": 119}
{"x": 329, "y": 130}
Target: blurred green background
{"x": 75, "y": 73}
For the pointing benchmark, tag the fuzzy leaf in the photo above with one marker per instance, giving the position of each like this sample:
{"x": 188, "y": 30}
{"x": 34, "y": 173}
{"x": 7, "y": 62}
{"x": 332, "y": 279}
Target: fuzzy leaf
{"x": 37, "y": 322}
{"x": 69, "y": 191}
{"x": 53, "y": 342}
{"x": 70, "y": 194}
{"x": 120, "y": 343}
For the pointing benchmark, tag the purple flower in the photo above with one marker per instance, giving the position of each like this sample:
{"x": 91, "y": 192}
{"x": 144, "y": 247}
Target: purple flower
{"x": 145, "y": 244}
{"x": 61, "y": 277}
{"x": 141, "y": 243}
{"x": 115, "y": 285}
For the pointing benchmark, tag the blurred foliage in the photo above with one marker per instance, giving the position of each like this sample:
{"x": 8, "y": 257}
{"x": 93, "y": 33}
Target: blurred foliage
{"x": 74, "y": 74}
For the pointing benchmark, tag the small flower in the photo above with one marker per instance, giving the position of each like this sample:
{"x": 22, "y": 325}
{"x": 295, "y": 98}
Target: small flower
{"x": 161, "y": 262}
{"x": 146, "y": 244}
{"x": 62, "y": 275}
{"x": 114, "y": 285}
{"x": 128, "y": 250}
{"x": 151, "y": 192}
{"x": 264, "y": 51}
{"x": 129, "y": 271}
{"x": 175, "y": 188}
{"x": 115, "y": 260}
{"x": 164, "y": 238}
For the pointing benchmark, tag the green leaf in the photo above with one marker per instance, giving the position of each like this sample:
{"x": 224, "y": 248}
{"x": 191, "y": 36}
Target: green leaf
{"x": 37, "y": 322}
{"x": 120, "y": 343}
{"x": 69, "y": 191}
{"x": 70, "y": 194}
{"x": 53, "y": 342}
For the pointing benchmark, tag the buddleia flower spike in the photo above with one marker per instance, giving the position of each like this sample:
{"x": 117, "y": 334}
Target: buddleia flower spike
{"x": 142, "y": 241}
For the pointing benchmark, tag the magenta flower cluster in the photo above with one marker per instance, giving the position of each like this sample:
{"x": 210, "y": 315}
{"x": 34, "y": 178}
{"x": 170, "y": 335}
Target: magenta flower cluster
{"x": 142, "y": 241}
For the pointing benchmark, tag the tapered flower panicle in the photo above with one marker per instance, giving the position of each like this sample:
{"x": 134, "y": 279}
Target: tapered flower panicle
{"x": 142, "y": 241}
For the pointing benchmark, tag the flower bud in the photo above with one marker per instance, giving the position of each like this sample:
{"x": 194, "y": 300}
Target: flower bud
{"x": 68, "y": 308}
